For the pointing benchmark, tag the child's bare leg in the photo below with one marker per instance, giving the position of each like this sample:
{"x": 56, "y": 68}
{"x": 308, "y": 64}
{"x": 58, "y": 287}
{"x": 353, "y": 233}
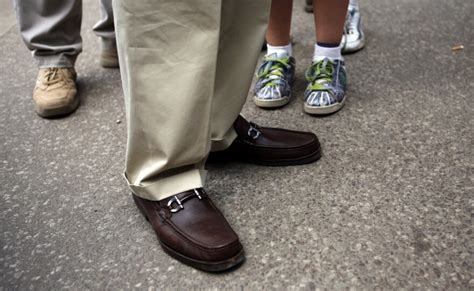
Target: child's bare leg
{"x": 279, "y": 25}
{"x": 329, "y": 16}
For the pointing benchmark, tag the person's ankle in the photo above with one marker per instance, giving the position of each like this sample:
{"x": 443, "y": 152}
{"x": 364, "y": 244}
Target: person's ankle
{"x": 330, "y": 51}
{"x": 280, "y": 50}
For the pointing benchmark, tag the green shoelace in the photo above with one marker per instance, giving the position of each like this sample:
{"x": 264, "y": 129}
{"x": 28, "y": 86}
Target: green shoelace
{"x": 320, "y": 73}
{"x": 273, "y": 67}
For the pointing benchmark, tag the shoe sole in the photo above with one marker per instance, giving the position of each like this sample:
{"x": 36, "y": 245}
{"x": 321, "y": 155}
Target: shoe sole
{"x": 316, "y": 110}
{"x": 107, "y": 61}
{"x": 217, "y": 158}
{"x": 354, "y": 49}
{"x": 290, "y": 162}
{"x": 271, "y": 103}
{"x": 213, "y": 267}
{"x": 58, "y": 111}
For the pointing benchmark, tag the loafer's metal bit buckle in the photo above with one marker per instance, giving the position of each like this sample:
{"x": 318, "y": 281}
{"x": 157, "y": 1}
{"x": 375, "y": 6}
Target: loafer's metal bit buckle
{"x": 178, "y": 204}
{"x": 197, "y": 194}
{"x": 253, "y": 132}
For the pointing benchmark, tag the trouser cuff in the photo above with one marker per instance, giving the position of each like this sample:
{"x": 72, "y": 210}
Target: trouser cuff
{"x": 56, "y": 61}
{"x": 225, "y": 142}
{"x": 168, "y": 186}
{"x": 108, "y": 43}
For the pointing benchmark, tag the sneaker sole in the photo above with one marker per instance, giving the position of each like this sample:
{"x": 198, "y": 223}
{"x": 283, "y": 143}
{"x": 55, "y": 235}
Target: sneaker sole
{"x": 108, "y": 61}
{"x": 58, "y": 111}
{"x": 213, "y": 267}
{"x": 358, "y": 47}
{"x": 272, "y": 103}
{"x": 316, "y": 110}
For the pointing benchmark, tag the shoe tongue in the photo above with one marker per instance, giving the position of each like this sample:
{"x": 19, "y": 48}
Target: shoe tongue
{"x": 322, "y": 58}
{"x": 278, "y": 54}
{"x": 52, "y": 75}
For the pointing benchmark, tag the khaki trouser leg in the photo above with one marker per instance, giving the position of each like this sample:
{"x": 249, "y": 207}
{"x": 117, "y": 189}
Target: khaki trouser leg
{"x": 243, "y": 26}
{"x": 177, "y": 62}
{"x": 51, "y": 29}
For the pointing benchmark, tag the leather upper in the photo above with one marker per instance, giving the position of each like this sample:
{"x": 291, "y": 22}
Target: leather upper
{"x": 264, "y": 143}
{"x": 197, "y": 229}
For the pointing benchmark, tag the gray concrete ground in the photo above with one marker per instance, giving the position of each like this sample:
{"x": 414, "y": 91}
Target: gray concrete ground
{"x": 7, "y": 16}
{"x": 389, "y": 206}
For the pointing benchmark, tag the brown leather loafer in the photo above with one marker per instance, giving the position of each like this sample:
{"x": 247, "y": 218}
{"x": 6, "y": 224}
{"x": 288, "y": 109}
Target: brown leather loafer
{"x": 192, "y": 230}
{"x": 269, "y": 146}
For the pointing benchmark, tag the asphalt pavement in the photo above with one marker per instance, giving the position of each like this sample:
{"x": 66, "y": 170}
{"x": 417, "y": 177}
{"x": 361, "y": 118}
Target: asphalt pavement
{"x": 389, "y": 205}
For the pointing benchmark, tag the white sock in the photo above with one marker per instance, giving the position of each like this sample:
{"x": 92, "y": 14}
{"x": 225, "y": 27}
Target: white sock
{"x": 332, "y": 53}
{"x": 280, "y": 50}
{"x": 354, "y": 3}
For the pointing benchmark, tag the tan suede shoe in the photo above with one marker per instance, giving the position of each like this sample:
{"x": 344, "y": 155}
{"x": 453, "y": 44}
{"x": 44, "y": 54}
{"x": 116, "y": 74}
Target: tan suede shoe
{"x": 109, "y": 58}
{"x": 55, "y": 93}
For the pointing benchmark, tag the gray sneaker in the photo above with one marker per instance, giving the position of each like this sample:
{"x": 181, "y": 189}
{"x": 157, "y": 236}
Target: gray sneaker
{"x": 274, "y": 78}
{"x": 353, "y": 39}
{"x": 308, "y": 7}
{"x": 109, "y": 58}
{"x": 108, "y": 53}
{"x": 326, "y": 90}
